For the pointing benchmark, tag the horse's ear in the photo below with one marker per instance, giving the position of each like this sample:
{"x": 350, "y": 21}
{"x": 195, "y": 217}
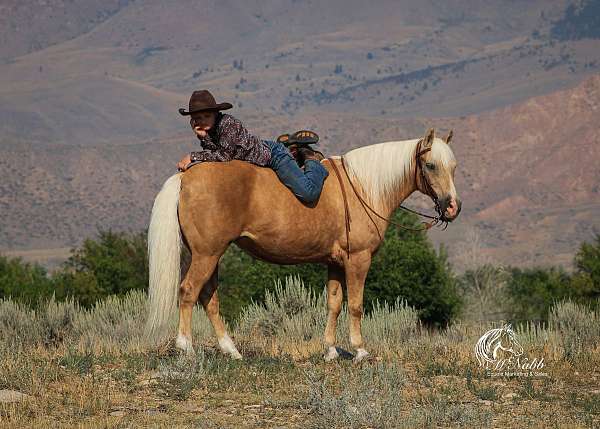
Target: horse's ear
{"x": 508, "y": 327}
{"x": 449, "y": 138}
{"x": 428, "y": 139}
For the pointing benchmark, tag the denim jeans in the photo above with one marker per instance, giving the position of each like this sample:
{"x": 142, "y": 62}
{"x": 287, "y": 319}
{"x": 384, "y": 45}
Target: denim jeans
{"x": 305, "y": 184}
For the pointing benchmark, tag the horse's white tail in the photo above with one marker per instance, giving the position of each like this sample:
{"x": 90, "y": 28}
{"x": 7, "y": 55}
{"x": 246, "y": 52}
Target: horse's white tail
{"x": 164, "y": 247}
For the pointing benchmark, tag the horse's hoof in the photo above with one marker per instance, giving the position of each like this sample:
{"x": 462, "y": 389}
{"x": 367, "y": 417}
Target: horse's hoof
{"x": 331, "y": 354}
{"x": 226, "y": 345}
{"x": 184, "y": 344}
{"x": 361, "y": 354}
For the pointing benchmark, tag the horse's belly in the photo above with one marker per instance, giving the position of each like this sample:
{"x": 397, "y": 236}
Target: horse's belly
{"x": 281, "y": 252}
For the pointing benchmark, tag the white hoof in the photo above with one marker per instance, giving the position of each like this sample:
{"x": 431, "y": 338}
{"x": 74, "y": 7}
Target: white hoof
{"x": 227, "y": 347}
{"x": 184, "y": 344}
{"x": 361, "y": 354}
{"x": 331, "y": 354}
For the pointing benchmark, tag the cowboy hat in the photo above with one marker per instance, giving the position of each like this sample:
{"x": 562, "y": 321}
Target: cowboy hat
{"x": 203, "y": 100}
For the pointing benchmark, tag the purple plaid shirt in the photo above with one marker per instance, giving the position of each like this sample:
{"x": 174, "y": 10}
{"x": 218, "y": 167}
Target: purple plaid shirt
{"x": 228, "y": 140}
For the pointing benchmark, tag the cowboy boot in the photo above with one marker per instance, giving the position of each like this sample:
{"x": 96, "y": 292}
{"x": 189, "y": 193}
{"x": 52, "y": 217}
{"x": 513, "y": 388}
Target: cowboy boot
{"x": 318, "y": 154}
{"x": 304, "y": 137}
{"x": 305, "y": 153}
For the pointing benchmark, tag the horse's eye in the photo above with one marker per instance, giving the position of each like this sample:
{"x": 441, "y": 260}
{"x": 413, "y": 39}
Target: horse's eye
{"x": 430, "y": 165}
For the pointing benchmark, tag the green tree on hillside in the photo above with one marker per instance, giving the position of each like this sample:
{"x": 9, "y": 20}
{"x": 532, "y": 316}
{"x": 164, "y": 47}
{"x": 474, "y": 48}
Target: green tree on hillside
{"x": 23, "y": 281}
{"x": 532, "y": 291}
{"x": 114, "y": 264}
{"x": 586, "y": 281}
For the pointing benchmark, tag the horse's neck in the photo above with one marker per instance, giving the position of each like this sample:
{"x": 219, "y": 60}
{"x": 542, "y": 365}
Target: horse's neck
{"x": 402, "y": 193}
{"x": 403, "y": 186}
{"x": 401, "y": 190}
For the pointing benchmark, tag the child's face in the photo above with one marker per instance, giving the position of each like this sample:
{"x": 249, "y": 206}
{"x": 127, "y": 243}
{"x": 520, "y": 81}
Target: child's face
{"x": 203, "y": 120}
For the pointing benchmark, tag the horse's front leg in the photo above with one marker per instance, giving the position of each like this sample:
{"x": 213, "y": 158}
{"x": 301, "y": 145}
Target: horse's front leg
{"x": 356, "y": 268}
{"x": 335, "y": 294}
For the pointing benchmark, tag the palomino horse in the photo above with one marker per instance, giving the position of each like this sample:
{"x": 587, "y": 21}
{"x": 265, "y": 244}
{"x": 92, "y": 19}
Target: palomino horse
{"x": 223, "y": 202}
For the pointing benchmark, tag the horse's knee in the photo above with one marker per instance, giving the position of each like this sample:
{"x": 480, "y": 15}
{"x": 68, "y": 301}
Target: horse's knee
{"x": 355, "y": 310}
{"x": 335, "y": 307}
{"x": 187, "y": 294}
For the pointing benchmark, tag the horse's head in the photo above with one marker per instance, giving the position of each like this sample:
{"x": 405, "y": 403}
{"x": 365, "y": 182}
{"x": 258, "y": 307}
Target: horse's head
{"x": 509, "y": 341}
{"x": 435, "y": 175}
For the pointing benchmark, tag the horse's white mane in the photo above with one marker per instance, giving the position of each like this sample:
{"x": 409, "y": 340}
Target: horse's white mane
{"x": 381, "y": 167}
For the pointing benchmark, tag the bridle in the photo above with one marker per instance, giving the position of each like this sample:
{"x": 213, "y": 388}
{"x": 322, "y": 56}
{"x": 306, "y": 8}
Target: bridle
{"x": 427, "y": 187}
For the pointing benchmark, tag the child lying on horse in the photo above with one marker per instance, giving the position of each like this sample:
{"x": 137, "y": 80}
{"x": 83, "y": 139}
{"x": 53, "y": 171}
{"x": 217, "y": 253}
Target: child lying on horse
{"x": 224, "y": 138}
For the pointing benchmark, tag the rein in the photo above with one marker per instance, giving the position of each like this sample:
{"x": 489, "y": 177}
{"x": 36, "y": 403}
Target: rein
{"x": 428, "y": 189}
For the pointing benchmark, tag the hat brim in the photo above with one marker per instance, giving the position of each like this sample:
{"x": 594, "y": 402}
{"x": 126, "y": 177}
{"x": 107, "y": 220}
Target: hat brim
{"x": 220, "y": 106}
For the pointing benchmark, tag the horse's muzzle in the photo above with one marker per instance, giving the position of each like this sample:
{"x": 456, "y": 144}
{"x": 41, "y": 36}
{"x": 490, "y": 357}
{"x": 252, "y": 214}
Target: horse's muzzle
{"x": 450, "y": 208}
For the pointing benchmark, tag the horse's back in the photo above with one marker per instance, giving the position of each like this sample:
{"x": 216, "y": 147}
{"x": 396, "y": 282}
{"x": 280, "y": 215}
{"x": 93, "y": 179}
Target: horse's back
{"x": 242, "y": 202}
{"x": 248, "y": 187}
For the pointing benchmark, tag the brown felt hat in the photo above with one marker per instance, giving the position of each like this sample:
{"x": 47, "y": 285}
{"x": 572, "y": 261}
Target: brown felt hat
{"x": 204, "y": 100}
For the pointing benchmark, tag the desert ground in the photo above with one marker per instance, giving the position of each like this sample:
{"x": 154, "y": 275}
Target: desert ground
{"x": 69, "y": 367}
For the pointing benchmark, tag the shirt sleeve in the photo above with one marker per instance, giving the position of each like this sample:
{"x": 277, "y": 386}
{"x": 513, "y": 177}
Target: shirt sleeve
{"x": 235, "y": 142}
{"x": 224, "y": 151}
{"x": 210, "y": 155}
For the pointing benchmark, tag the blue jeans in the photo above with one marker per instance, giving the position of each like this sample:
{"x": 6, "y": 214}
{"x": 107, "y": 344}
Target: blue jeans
{"x": 307, "y": 184}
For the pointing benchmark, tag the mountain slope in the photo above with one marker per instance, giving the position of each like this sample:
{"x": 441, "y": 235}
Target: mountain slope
{"x": 400, "y": 59}
{"x": 527, "y": 175}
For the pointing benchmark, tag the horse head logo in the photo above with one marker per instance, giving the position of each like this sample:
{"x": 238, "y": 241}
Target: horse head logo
{"x": 489, "y": 347}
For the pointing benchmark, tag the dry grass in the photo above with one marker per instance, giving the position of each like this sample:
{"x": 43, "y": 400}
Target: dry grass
{"x": 95, "y": 369}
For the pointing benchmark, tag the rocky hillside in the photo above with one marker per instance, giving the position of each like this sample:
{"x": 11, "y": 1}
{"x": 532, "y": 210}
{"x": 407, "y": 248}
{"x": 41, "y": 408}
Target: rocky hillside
{"x": 118, "y": 71}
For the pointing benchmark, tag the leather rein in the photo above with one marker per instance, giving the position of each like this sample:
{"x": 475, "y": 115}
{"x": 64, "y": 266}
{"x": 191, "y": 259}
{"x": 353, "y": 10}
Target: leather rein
{"x": 428, "y": 190}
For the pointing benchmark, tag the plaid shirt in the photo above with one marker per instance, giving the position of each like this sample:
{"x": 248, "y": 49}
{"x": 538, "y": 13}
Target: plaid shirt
{"x": 228, "y": 139}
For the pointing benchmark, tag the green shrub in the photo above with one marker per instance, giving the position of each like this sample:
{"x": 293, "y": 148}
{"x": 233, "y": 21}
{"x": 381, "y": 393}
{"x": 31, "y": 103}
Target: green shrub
{"x": 578, "y": 326}
{"x": 292, "y": 311}
{"x": 22, "y": 281}
{"x": 586, "y": 281}
{"x": 117, "y": 260}
{"x": 532, "y": 291}
{"x": 407, "y": 267}
{"x": 244, "y": 279}
{"x": 114, "y": 264}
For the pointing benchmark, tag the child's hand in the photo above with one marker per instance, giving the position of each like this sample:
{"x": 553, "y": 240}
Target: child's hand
{"x": 181, "y": 165}
{"x": 200, "y": 131}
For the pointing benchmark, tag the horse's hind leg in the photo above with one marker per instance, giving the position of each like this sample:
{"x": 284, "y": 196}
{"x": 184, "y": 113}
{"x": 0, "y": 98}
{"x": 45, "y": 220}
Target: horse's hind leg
{"x": 200, "y": 271}
{"x": 210, "y": 302}
{"x": 335, "y": 280}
